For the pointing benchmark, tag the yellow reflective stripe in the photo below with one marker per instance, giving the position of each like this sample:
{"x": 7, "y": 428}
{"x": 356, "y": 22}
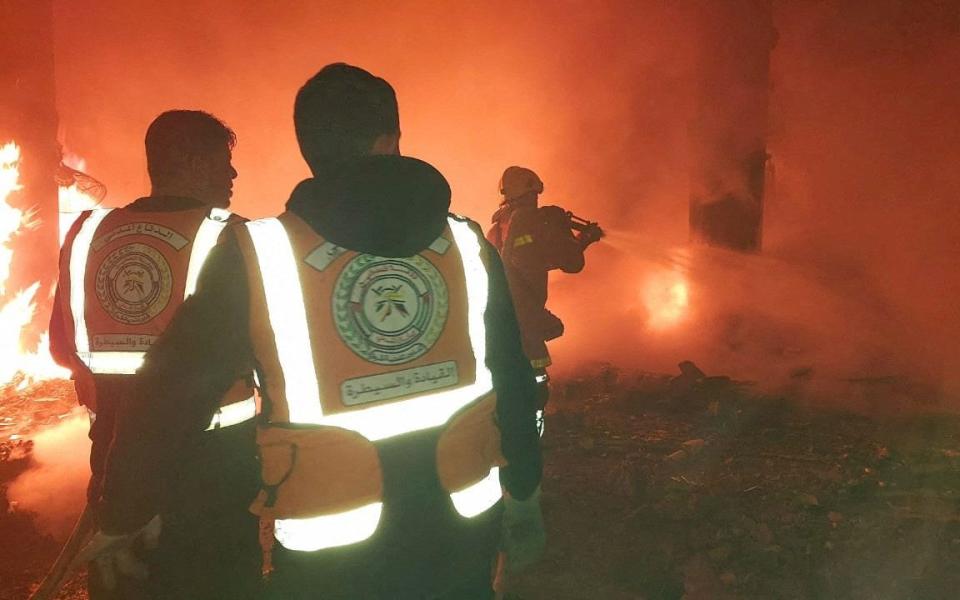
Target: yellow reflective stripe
{"x": 541, "y": 363}
{"x": 522, "y": 240}
{"x": 475, "y": 499}
{"x": 233, "y": 414}
{"x": 329, "y": 531}
{"x": 203, "y": 243}
{"x": 478, "y": 288}
{"x": 79, "y": 252}
{"x": 113, "y": 363}
{"x": 288, "y": 318}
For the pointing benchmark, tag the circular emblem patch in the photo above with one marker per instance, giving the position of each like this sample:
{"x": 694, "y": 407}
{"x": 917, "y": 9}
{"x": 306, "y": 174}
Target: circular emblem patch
{"x": 133, "y": 283}
{"x": 390, "y": 310}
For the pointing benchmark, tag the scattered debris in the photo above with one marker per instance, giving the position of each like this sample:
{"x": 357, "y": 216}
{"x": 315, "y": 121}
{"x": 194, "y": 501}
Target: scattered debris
{"x": 693, "y": 487}
{"x": 677, "y": 456}
{"x": 701, "y": 487}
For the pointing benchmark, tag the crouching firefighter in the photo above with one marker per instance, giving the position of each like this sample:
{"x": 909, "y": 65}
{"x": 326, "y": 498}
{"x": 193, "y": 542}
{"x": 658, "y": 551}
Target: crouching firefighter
{"x": 397, "y": 404}
{"x": 123, "y": 274}
{"x": 534, "y": 240}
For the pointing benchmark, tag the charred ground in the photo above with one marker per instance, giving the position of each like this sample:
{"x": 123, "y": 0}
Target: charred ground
{"x": 664, "y": 487}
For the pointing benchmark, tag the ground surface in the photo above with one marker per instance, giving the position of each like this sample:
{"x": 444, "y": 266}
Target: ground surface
{"x": 664, "y": 488}
{"x": 25, "y": 552}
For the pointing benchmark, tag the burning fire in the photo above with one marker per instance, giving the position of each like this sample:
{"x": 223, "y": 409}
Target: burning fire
{"x": 17, "y": 312}
{"x": 666, "y": 296}
{"x": 75, "y": 198}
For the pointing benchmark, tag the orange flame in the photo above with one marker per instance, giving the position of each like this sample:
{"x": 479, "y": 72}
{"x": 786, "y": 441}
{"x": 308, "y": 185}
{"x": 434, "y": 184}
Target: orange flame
{"x": 19, "y": 311}
{"x": 666, "y": 296}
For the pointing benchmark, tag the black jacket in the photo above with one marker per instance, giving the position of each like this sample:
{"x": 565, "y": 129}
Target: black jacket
{"x": 534, "y": 241}
{"x": 382, "y": 205}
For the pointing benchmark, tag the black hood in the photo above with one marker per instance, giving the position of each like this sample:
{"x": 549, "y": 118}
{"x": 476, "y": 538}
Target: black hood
{"x": 381, "y": 205}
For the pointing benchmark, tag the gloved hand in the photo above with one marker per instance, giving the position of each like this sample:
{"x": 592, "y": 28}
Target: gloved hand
{"x": 550, "y": 326}
{"x": 524, "y": 539}
{"x": 114, "y": 554}
{"x": 590, "y": 234}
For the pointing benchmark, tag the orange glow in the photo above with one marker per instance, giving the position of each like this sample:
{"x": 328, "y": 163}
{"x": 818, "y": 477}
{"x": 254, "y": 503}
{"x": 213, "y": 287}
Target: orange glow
{"x": 72, "y": 202}
{"x": 11, "y": 219}
{"x": 17, "y": 312}
{"x": 667, "y": 298}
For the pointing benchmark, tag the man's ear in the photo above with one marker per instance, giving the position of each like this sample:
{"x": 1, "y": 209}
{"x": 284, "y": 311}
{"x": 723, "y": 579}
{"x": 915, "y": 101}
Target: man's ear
{"x": 386, "y": 143}
{"x": 197, "y": 164}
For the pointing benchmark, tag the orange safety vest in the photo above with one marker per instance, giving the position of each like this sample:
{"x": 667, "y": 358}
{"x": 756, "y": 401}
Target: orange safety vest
{"x": 129, "y": 272}
{"x": 354, "y": 348}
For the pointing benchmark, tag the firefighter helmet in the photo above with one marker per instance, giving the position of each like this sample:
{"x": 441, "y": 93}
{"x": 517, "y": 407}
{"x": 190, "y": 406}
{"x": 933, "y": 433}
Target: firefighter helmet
{"x": 517, "y": 181}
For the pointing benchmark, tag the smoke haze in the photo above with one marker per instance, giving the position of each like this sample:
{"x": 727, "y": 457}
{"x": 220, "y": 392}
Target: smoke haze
{"x": 55, "y": 488}
{"x": 859, "y": 273}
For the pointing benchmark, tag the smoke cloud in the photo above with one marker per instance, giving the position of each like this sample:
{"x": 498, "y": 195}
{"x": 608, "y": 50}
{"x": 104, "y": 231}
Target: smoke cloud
{"x": 55, "y": 488}
{"x": 860, "y": 265}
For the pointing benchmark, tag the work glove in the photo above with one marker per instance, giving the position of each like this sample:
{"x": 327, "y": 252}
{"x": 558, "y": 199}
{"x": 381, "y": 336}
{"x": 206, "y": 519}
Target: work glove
{"x": 114, "y": 555}
{"x": 523, "y": 538}
{"x": 590, "y": 234}
{"x": 550, "y": 326}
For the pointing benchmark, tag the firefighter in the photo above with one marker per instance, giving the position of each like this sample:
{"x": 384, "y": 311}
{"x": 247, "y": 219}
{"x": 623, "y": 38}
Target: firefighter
{"x": 397, "y": 437}
{"x": 534, "y": 240}
{"x": 123, "y": 274}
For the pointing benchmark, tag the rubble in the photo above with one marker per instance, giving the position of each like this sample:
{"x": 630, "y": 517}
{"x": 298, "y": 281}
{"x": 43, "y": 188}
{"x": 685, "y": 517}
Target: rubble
{"x": 757, "y": 498}
{"x": 25, "y": 410}
{"x": 762, "y": 499}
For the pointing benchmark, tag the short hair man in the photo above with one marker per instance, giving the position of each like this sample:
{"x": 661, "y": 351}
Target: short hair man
{"x": 123, "y": 274}
{"x": 396, "y": 397}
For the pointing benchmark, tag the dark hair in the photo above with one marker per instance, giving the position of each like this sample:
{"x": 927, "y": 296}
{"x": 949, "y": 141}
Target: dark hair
{"x": 340, "y": 112}
{"x": 179, "y": 134}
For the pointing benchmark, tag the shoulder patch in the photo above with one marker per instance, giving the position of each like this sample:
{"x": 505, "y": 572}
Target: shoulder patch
{"x": 440, "y": 245}
{"x": 323, "y": 255}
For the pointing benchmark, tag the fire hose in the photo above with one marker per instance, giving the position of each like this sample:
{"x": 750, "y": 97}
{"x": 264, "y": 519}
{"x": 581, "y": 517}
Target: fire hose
{"x": 63, "y": 566}
{"x": 588, "y": 229}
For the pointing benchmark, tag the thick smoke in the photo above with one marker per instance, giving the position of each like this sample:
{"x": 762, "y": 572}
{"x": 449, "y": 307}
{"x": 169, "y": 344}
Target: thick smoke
{"x": 55, "y": 487}
{"x": 860, "y": 270}
{"x": 860, "y": 267}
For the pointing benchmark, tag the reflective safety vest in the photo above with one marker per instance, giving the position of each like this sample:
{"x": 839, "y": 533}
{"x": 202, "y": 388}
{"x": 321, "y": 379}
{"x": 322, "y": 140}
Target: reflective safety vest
{"x": 129, "y": 272}
{"x": 352, "y": 349}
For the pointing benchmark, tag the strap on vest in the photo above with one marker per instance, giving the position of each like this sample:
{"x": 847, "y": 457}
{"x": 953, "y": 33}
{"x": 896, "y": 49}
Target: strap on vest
{"x": 273, "y": 489}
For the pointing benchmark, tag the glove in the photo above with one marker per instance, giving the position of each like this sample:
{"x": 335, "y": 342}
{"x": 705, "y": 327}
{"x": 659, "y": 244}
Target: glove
{"x": 524, "y": 539}
{"x": 551, "y": 327}
{"x": 114, "y": 554}
{"x": 590, "y": 235}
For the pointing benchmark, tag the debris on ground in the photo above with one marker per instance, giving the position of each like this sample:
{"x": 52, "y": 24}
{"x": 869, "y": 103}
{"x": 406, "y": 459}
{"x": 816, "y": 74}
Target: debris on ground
{"x": 696, "y": 486}
{"x": 24, "y": 411}
{"x": 684, "y": 487}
